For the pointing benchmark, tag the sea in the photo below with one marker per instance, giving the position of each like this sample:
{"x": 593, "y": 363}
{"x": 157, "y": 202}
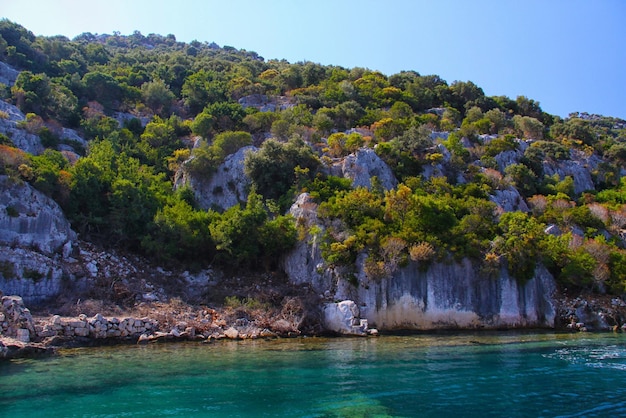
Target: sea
{"x": 467, "y": 374}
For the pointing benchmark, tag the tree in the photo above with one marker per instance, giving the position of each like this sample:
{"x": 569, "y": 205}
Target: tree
{"x": 464, "y": 92}
{"x": 157, "y": 96}
{"x": 520, "y": 243}
{"x": 180, "y": 233}
{"x": 528, "y": 127}
{"x": 523, "y": 178}
{"x": 102, "y": 88}
{"x": 272, "y": 167}
{"x": 159, "y": 141}
{"x": 203, "y": 88}
{"x": 226, "y": 116}
{"x": 31, "y": 92}
{"x": 202, "y": 125}
{"x": 227, "y": 143}
{"x": 247, "y": 237}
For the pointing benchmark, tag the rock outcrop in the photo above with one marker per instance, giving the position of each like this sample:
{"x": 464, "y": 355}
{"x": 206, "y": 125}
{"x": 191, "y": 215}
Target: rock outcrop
{"x": 34, "y": 276}
{"x": 579, "y": 167}
{"x": 438, "y": 296}
{"x": 456, "y": 296}
{"x": 509, "y": 200}
{"x": 21, "y": 138}
{"x": 227, "y": 187}
{"x": 36, "y": 243}
{"x": 28, "y": 218}
{"x": 344, "y": 318}
{"x": 304, "y": 263}
{"x": 8, "y": 74}
{"x": 361, "y": 166}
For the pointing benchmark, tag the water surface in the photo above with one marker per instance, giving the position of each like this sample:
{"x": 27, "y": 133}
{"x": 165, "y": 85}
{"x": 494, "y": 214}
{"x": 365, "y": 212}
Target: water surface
{"x": 457, "y": 375}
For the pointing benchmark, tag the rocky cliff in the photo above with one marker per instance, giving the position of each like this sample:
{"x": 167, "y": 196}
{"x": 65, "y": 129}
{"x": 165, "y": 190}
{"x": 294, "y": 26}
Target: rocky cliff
{"x": 435, "y": 296}
{"x": 28, "y": 218}
{"x": 36, "y": 241}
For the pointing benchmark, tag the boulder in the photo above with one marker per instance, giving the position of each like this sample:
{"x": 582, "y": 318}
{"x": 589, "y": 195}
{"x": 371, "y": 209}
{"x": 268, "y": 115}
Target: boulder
{"x": 231, "y": 333}
{"x": 344, "y": 318}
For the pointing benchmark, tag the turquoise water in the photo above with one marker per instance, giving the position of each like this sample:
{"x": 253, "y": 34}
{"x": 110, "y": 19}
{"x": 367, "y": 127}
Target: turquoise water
{"x": 460, "y": 375}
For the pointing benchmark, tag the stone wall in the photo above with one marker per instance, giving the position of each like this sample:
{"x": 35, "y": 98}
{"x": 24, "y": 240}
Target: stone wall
{"x": 97, "y": 327}
{"x": 15, "y": 319}
{"x": 17, "y": 322}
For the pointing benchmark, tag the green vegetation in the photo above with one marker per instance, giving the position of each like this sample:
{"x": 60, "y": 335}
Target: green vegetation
{"x": 120, "y": 191}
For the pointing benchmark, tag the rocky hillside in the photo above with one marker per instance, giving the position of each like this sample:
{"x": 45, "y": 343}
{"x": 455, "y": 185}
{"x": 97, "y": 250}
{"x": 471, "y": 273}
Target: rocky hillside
{"x": 132, "y": 173}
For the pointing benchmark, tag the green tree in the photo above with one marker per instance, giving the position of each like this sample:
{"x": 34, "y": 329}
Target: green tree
{"x": 180, "y": 233}
{"x": 272, "y": 167}
{"x": 157, "y": 96}
{"x": 102, "y": 88}
{"x": 202, "y": 125}
{"x": 202, "y": 88}
{"x": 31, "y": 92}
{"x": 528, "y": 127}
{"x": 519, "y": 243}
{"x": 247, "y": 237}
{"x": 523, "y": 178}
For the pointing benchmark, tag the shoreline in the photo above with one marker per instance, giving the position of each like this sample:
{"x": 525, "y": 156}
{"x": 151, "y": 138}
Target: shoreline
{"x": 11, "y": 348}
{"x": 24, "y": 335}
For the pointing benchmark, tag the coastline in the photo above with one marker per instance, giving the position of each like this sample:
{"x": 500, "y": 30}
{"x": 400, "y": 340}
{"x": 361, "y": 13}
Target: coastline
{"x": 23, "y": 335}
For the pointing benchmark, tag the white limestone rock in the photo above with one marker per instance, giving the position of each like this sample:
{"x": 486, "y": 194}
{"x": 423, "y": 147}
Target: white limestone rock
{"x": 23, "y": 140}
{"x": 344, "y": 318}
{"x": 304, "y": 263}
{"x": 8, "y": 74}
{"x": 509, "y": 200}
{"x": 579, "y": 167}
{"x": 227, "y": 187}
{"x": 361, "y": 166}
{"x": 28, "y": 218}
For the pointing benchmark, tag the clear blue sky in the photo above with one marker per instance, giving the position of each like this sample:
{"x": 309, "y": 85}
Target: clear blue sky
{"x": 570, "y": 55}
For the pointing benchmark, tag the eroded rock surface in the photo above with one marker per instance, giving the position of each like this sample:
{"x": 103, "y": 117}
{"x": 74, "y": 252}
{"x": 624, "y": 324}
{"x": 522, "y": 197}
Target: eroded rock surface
{"x": 28, "y": 218}
{"x": 227, "y": 187}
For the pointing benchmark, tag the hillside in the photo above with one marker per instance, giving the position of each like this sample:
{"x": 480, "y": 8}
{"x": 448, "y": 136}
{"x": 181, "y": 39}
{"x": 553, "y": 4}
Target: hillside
{"x": 425, "y": 202}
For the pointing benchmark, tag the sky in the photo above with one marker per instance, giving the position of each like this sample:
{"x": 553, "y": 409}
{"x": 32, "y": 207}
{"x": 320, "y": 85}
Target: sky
{"x": 569, "y": 55}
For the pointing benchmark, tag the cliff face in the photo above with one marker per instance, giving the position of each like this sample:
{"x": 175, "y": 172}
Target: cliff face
{"x": 442, "y": 296}
{"x": 455, "y": 295}
{"x": 35, "y": 240}
{"x": 438, "y": 296}
{"x": 28, "y": 218}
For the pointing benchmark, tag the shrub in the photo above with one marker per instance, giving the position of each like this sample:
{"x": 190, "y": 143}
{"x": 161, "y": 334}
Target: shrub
{"x": 422, "y": 251}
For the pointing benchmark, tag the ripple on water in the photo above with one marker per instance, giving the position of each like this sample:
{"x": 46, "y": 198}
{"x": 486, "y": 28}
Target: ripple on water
{"x": 481, "y": 375}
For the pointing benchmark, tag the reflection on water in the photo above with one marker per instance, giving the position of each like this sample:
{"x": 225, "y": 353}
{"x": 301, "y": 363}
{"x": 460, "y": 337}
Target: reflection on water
{"x": 484, "y": 374}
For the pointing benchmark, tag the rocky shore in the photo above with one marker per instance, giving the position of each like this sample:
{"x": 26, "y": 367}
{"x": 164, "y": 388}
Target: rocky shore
{"x": 25, "y": 335}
